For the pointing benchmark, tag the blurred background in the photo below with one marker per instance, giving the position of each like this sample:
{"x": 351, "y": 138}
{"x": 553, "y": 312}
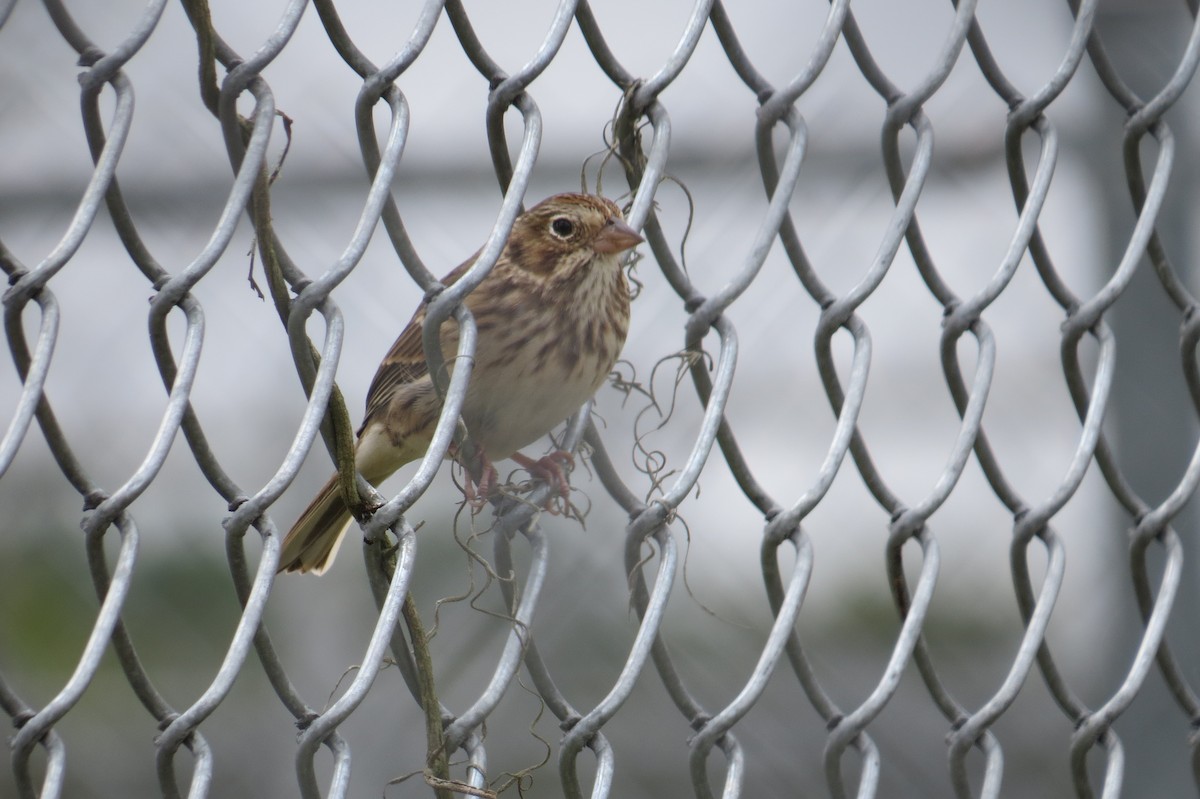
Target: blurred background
{"x": 175, "y": 176}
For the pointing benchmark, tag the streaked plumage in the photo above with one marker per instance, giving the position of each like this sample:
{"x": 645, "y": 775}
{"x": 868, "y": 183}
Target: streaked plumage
{"x": 552, "y": 318}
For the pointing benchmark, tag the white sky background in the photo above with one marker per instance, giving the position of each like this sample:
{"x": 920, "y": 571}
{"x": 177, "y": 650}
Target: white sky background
{"x": 174, "y": 173}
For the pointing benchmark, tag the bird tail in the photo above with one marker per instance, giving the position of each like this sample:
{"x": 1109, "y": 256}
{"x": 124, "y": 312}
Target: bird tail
{"x": 313, "y": 541}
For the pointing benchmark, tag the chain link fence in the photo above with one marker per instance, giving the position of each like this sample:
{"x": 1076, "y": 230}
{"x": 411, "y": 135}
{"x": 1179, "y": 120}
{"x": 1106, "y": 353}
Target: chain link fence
{"x": 874, "y": 378}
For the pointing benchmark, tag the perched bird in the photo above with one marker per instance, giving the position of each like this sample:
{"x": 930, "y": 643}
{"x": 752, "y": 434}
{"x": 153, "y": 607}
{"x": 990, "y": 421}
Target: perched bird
{"x": 552, "y": 316}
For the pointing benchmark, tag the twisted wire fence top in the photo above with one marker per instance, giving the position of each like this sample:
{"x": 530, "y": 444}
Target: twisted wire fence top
{"x": 924, "y": 265}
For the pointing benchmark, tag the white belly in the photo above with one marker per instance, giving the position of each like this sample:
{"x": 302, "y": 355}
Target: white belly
{"x": 506, "y": 410}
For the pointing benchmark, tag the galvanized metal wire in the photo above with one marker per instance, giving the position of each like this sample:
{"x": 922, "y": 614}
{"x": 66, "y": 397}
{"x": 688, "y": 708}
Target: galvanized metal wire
{"x": 236, "y": 89}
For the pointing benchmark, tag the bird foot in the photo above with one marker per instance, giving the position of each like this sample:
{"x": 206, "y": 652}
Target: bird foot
{"x": 487, "y": 483}
{"x": 550, "y": 468}
{"x": 477, "y": 493}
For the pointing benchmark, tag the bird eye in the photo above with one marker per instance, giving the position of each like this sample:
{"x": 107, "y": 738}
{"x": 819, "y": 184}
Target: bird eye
{"x": 562, "y": 227}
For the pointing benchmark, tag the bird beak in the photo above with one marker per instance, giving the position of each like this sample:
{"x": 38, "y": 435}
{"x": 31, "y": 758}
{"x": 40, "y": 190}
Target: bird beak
{"x": 616, "y": 236}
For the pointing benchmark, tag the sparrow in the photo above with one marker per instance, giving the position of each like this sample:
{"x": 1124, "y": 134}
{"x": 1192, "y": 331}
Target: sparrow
{"x": 552, "y": 316}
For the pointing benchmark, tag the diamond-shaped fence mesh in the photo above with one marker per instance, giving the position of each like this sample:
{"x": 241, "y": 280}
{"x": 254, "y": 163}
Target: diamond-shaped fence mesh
{"x": 888, "y": 495}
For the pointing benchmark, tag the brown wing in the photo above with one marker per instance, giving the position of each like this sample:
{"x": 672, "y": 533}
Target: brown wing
{"x": 405, "y": 361}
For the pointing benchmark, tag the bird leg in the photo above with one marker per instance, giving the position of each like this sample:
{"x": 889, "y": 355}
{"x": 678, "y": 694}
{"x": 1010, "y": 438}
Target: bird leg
{"x": 487, "y": 483}
{"x": 476, "y": 493}
{"x": 550, "y": 468}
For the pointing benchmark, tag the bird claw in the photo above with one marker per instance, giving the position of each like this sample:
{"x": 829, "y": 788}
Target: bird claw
{"x": 477, "y": 494}
{"x": 550, "y": 468}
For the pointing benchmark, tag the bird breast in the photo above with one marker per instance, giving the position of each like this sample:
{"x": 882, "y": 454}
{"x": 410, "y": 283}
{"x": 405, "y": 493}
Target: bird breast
{"x": 529, "y": 377}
